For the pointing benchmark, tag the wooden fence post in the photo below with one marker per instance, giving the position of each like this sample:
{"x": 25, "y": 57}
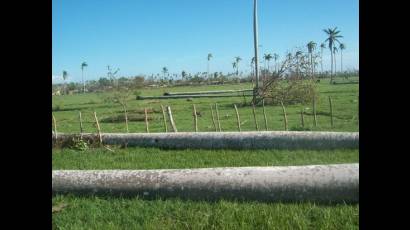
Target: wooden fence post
{"x": 285, "y": 118}
{"x": 126, "y": 119}
{"x": 264, "y": 114}
{"x": 302, "y": 119}
{"x": 237, "y": 118}
{"x": 213, "y": 119}
{"x": 314, "y": 112}
{"x": 254, "y": 117}
{"x": 98, "y": 127}
{"x": 164, "y": 118}
{"x": 146, "y": 120}
{"x": 217, "y": 117}
{"x": 171, "y": 119}
{"x": 81, "y": 125}
{"x": 195, "y": 119}
{"x": 331, "y": 112}
{"x": 55, "y": 128}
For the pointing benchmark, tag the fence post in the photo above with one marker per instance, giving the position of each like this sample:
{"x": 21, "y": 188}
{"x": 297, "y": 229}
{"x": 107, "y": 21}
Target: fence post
{"x": 81, "y": 125}
{"x": 164, "y": 118}
{"x": 254, "y": 116}
{"x": 55, "y": 128}
{"x": 237, "y": 118}
{"x": 264, "y": 114}
{"x": 146, "y": 120}
{"x": 171, "y": 119}
{"x": 331, "y": 112}
{"x": 217, "y": 117}
{"x": 213, "y": 119}
{"x": 98, "y": 127}
{"x": 285, "y": 118}
{"x": 195, "y": 119}
{"x": 302, "y": 119}
{"x": 314, "y": 112}
{"x": 126, "y": 119}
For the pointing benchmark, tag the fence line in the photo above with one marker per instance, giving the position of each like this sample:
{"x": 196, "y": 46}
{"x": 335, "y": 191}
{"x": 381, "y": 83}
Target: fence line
{"x": 216, "y": 121}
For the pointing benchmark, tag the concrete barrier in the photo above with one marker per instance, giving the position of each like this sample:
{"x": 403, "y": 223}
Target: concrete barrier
{"x": 228, "y": 140}
{"x": 316, "y": 183}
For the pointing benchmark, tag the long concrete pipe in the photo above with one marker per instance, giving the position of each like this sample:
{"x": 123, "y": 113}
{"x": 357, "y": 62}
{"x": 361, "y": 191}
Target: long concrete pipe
{"x": 229, "y": 140}
{"x": 317, "y": 183}
{"x": 208, "y": 92}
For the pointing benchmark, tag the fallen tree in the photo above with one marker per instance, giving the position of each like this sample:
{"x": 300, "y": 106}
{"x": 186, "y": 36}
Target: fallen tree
{"x": 317, "y": 183}
{"x": 226, "y": 140}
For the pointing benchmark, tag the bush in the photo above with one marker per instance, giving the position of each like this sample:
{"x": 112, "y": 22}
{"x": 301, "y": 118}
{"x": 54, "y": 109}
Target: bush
{"x": 79, "y": 144}
{"x": 292, "y": 91}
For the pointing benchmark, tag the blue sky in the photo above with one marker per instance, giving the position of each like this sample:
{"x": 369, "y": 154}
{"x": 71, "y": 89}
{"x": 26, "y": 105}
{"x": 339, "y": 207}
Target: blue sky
{"x": 142, "y": 36}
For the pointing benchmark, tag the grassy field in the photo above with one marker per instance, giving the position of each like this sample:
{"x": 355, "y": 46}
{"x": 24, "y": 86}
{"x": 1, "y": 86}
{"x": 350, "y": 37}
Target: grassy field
{"x": 344, "y": 97}
{"x": 90, "y": 212}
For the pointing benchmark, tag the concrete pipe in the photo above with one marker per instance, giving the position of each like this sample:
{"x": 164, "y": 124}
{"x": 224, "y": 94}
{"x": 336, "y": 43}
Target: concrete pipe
{"x": 316, "y": 183}
{"x": 208, "y": 92}
{"x": 229, "y": 140}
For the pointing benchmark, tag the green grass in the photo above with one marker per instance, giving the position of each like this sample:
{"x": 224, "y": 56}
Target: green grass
{"x": 134, "y": 213}
{"x": 154, "y": 158}
{"x": 345, "y": 108}
{"x": 90, "y": 212}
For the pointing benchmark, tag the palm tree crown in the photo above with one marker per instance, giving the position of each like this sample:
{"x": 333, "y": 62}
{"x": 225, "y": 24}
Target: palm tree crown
{"x": 333, "y": 35}
{"x": 311, "y": 46}
{"x": 65, "y": 75}
{"x": 84, "y": 64}
{"x": 267, "y": 57}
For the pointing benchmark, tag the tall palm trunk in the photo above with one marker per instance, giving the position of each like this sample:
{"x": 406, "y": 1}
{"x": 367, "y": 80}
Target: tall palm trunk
{"x": 311, "y": 64}
{"x": 334, "y": 56}
{"x": 207, "y": 72}
{"x": 321, "y": 60}
{"x": 82, "y": 76}
{"x": 331, "y": 66}
{"x": 341, "y": 60}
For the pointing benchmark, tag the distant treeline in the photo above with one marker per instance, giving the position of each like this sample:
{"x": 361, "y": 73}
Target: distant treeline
{"x": 184, "y": 79}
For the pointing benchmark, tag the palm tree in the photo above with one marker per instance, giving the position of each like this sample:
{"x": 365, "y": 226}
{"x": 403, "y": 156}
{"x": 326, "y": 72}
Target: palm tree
{"x": 322, "y": 47}
{"x": 334, "y": 57}
{"x": 83, "y": 65}
{"x": 183, "y": 74}
{"x": 333, "y": 35}
{"x": 237, "y": 60}
{"x": 164, "y": 70}
{"x": 234, "y": 66}
{"x": 341, "y": 47}
{"x": 209, "y": 58}
{"x": 267, "y": 58}
{"x": 311, "y": 47}
{"x": 275, "y": 57}
{"x": 65, "y": 75}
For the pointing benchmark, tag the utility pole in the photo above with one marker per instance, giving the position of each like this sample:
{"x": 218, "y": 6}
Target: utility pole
{"x": 255, "y": 43}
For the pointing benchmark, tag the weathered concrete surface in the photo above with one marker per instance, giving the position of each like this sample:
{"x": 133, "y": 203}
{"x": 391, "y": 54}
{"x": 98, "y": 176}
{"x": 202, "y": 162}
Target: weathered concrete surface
{"x": 186, "y": 96}
{"x": 317, "y": 183}
{"x": 208, "y": 92}
{"x": 229, "y": 140}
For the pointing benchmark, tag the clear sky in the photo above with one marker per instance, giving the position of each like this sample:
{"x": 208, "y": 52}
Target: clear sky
{"x": 142, "y": 36}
